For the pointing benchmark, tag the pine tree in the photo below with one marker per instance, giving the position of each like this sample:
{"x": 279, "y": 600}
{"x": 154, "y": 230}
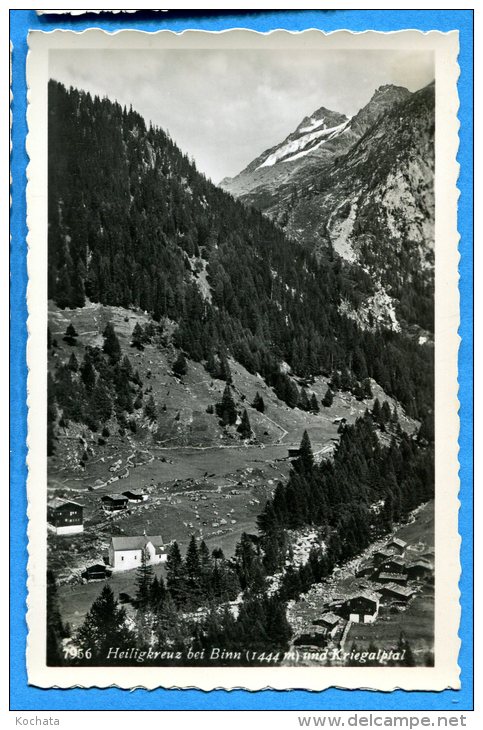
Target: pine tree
{"x": 305, "y": 460}
{"x": 176, "y": 574}
{"x": 303, "y": 403}
{"x": 157, "y": 594}
{"x": 137, "y": 337}
{"x": 103, "y": 627}
{"x": 144, "y": 580}
{"x": 244, "y": 429}
{"x": 88, "y": 374}
{"x": 73, "y": 364}
{"x": 225, "y": 372}
{"x": 180, "y": 366}
{"x": 328, "y": 398}
{"x": 314, "y": 405}
{"x": 226, "y": 409}
{"x": 258, "y": 403}
{"x": 150, "y": 410}
{"x": 193, "y": 572}
{"x": 111, "y": 347}
{"x": 366, "y": 388}
{"x": 55, "y": 628}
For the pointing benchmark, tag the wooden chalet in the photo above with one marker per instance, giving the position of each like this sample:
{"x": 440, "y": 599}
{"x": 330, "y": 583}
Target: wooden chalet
{"x": 420, "y": 570}
{"x": 65, "y": 517}
{"x": 397, "y": 593}
{"x": 362, "y": 607}
{"x": 398, "y": 578}
{"x": 96, "y": 572}
{"x": 114, "y": 502}
{"x": 396, "y": 546}
{"x": 330, "y": 622}
{"x": 135, "y": 496}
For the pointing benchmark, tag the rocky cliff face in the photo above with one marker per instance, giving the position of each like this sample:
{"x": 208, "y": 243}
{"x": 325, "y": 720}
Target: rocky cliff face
{"x": 365, "y": 192}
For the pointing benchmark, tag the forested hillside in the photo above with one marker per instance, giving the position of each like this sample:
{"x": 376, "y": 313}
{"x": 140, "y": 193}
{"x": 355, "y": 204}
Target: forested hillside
{"x": 132, "y": 223}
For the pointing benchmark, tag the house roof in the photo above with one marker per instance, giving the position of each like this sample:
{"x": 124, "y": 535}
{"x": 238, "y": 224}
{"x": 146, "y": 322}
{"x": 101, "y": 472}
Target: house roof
{"x": 397, "y": 541}
{"x": 404, "y": 591}
{"x": 369, "y": 595}
{"x": 59, "y": 502}
{"x": 115, "y": 497}
{"x": 393, "y": 576}
{"x": 397, "y": 560}
{"x": 330, "y": 618}
{"x": 137, "y": 542}
{"x": 133, "y": 493}
{"x": 423, "y": 563}
{"x": 384, "y": 551}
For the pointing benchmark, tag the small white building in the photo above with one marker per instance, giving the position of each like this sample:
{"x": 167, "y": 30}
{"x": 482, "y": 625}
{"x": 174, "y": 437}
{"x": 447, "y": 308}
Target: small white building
{"x": 126, "y": 553}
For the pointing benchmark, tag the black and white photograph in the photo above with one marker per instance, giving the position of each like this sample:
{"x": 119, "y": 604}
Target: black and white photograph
{"x": 240, "y": 358}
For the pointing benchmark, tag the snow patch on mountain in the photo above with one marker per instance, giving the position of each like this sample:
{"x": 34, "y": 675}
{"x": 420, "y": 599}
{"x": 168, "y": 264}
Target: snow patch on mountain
{"x": 301, "y": 146}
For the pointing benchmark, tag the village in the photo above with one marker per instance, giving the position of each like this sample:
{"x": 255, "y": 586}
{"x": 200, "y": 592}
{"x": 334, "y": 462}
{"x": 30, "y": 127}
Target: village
{"x": 374, "y": 601}
{"x": 360, "y": 604}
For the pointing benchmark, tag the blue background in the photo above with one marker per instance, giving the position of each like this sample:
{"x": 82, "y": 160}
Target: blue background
{"x": 24, "y": 697}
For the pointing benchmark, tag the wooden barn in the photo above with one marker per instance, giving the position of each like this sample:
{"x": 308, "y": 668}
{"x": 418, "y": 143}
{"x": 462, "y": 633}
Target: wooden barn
{"x": 381, "y": 555}
{"x": 114, "y": 502}
{"x": 365, "y": 570}
{"x": 396, "y": 546}
{"x": 393, "y": 565}
{"x": 313, "y": 636}
{"x": 362, "y": 607}
{"x": 96, "y": 572}
{"x": 420, "y": 570}
{"x": 65, "y": 517}
{"x": 399, "y": 578}
{"x": 396, "y": 593}
{"x": 330, "y": 622}
{"x": 136, "y": 496}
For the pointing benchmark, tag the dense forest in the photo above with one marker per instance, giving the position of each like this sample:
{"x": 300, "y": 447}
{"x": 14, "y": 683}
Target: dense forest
{"x": 133, "y": 223}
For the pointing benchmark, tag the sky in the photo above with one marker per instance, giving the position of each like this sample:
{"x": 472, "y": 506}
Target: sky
{"x": 225, "y": 107}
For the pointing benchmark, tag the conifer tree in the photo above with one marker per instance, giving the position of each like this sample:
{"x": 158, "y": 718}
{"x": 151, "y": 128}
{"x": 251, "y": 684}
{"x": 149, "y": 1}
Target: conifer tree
{"x": 226, "y": 409}
{"x": 305, "y": 460}
{"x": 225, "y": 372}
{"x": 150, "y": 410}
{"x": 73, "y": 364}
{"x": 180, "y": 366}
{"x": 303, "y": 403}
{"x": 70, "y": 335}
{"x": 111, "y": 347}
{"x": 144, "y": 580}
{"x": 55, "y": 628}
{"x": 193, "y": 572}
{"x": 137, "y": 337}
{"x": 176, "y": 574}
{"x": 328, "y": 398}
{"x": 103, "y": 627}
{"x": 314, "y": 405}
{"x": 88, "y": 374}
{"x": 244, "y": 429}
{"x": 258, "y": 403}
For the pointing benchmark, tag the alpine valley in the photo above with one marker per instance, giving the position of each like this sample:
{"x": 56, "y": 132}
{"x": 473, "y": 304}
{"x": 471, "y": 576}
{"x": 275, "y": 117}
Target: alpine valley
{"x": 245, "y": 370}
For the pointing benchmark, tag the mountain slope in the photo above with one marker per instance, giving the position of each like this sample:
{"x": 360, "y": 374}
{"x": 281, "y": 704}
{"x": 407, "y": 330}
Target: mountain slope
{"x": 368, "y": 196}
{"x": 132, "y": 223}
{"x": 312, "y": 146}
